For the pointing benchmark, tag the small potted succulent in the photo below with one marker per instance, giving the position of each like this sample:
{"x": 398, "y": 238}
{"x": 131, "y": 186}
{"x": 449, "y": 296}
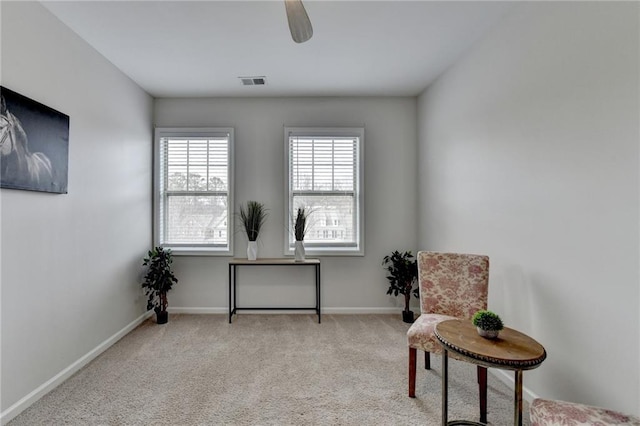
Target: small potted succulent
{"x": 158, "y": 281}
{"x": 488, "y": 324}
{"x": 403, "y": 272}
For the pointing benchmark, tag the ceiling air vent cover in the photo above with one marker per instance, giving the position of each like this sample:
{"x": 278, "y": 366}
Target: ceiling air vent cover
{"x": 253, "y": 81}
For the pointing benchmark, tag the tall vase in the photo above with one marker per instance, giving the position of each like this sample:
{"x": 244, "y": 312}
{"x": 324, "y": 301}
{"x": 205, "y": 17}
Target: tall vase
{"x": 299, "y": 251}
{"x": 252, "y": 250}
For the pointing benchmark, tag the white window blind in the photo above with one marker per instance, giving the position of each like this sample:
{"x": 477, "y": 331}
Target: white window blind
{"x": 324, "y": 177}
{"x": 194, "y": 182}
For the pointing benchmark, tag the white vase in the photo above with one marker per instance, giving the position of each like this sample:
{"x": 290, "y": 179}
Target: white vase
{"x": 299, "y": 251}
{"x": 252, "y": 250}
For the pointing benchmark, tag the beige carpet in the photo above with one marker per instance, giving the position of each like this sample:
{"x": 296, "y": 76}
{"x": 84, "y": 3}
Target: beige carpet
{"x": 264, "y": 370}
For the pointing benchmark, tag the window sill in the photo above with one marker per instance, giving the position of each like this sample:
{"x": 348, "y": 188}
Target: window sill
{"x": 328, "y": 253}
{"x": 198, "y": 251}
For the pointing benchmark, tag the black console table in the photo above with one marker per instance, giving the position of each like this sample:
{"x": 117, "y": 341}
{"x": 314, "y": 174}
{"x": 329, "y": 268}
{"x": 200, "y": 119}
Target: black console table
{"x": 235, "y": 263}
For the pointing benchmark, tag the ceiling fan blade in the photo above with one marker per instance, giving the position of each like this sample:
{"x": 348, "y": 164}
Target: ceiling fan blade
{"x": 299, "y": 22}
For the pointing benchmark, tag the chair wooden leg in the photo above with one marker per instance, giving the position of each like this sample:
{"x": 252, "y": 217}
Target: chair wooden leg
{"x": 427, "y": 360}
{"x": 482, "y": 390}
{"x": 412, "y": 372}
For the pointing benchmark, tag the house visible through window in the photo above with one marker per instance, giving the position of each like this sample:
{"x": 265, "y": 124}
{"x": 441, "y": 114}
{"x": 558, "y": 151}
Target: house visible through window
{"x": 193, "y": 190}
{"x": 324, "y": 169}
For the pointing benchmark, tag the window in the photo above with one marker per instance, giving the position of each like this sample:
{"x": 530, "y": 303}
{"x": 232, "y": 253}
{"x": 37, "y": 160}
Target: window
{"x": 193, "y": 190}
{"x": 325, "y": 176}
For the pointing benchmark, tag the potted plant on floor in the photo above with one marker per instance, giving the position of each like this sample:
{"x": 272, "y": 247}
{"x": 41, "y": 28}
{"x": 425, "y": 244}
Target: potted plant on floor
{"x": 158, "y": 281}
{"x": 487, "y": 323}
{"x": 300, "y": 230}
{"x": 252, "y": 216}
{"x": 403, "y": 272}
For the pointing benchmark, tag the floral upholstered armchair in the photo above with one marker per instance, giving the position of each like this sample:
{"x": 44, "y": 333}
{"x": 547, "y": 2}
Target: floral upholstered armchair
{"x": 452, "y": 286}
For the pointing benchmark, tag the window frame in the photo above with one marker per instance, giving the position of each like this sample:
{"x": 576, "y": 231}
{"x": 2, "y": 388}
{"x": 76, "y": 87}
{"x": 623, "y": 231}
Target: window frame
{"x": 331, "y": 132}
{"x": 158, "y": 191}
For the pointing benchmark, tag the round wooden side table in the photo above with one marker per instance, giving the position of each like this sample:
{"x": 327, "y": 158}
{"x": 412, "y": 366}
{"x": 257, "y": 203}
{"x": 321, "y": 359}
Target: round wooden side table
{"x": 511, "y": 350}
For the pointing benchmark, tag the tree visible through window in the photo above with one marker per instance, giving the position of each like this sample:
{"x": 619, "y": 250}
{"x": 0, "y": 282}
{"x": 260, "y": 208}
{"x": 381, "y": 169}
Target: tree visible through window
{"x": 193, "y": 189}
{"x": 325, "y": 177}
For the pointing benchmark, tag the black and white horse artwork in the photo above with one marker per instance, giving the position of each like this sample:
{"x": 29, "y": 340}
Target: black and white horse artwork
{"x": 21, "y": 165}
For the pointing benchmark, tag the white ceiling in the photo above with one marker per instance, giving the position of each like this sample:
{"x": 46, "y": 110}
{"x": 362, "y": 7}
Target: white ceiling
{"x": 359, "y": 48}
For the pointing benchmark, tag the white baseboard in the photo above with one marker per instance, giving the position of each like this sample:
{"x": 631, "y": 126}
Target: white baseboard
{"x": 509, "y": 380}
{"x": 56, "y": 380}
{"x": 179, "y": 310}
{"x": 225, "y": 310}
{"x": 362, "y": 311}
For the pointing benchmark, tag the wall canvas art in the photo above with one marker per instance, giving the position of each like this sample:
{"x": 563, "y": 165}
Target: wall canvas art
{"x": 34, "y": 145}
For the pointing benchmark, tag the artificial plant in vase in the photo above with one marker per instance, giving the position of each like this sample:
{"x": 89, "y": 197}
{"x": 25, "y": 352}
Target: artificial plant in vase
{"x": 252, "y": 216}
{"x": 403, "y": 272}
{"x": 300, "y": 230}
{"x": 158, "y": 281}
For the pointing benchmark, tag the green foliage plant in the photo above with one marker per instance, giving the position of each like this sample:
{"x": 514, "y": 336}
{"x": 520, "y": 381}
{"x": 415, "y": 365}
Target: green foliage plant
{"x": 487, "y": 320}
{"x": 253, "y": 217}
{"x": 300, "y": 224}
{"x": 159, "y": 278}
{"x": 403, "y": 272}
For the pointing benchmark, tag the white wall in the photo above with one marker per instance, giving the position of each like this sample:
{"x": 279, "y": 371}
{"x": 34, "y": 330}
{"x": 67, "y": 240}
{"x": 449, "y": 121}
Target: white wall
{"x": 71, "y": 263}
{"x": 529, "y": 153}
{"x": 348, "y": 283}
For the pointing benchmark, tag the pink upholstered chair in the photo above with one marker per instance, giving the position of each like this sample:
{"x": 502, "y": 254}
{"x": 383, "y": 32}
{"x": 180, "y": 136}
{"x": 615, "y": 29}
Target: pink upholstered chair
{"x": 451, "y": 286}
{"x": 546, "y": 412}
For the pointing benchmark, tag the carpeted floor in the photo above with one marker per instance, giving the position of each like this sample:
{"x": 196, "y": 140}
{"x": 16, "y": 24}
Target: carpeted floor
{"x": 264, "y": 370}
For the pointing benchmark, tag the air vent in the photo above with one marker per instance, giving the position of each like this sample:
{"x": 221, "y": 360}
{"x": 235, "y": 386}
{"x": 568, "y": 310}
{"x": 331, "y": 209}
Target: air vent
{"x": 253, "y": 81}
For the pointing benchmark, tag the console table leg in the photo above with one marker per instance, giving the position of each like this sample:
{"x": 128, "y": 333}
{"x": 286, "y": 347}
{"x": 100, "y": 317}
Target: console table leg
{"x": 235, "y": 288}
{"x": 230, "y": 311}
{"x": 318, "y": 293}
